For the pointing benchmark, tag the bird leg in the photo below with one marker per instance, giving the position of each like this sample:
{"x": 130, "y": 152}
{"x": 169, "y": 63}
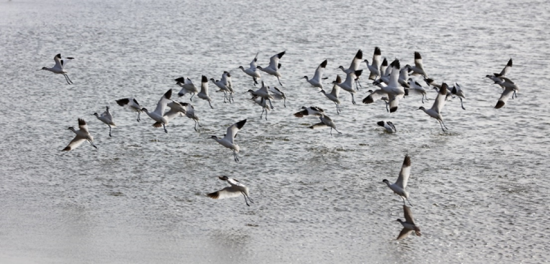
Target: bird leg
{"x": 67, "y": 79}
{"x": 210, "y": 104}
{"x": 461, "y": 103}
{"x": 139, "y": 112}
{"x": 353, "y": 99}
{"x": 92, "y": 144}
{"x": 244, "y": 195}
{"x": 163, "y": 126}
{"x": 109, "y": 130}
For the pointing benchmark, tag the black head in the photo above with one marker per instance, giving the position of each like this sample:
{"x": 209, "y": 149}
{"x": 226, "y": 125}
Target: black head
{"x": 385, "y": 181}
{"x": 223, "y": 178}
{"x": 380, "y": 123}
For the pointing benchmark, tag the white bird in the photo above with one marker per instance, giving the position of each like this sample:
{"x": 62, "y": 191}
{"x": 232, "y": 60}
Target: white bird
{"x": 435, "y": 111}
{"x": 393, "y": 89}
{"x": 190, "y": 113}
{"x": 263, "y": 103}
{"x": 187, "y": 87}
{"x": 312, "y": 110}
{"x": 399, "y": 187}
{"x": 235, "y": 190}
{"x": 374, "y": 67}
{"x": 316, "y": 81}
{"x": 277, "y": 94}
{"x": 158, "y": 114}
{"x": 264, "y": 92}
{"x": 326, "y": 121}
{"x": 408, "y": 224}
{"x": 81, "y": 135}
{"x": 347, "y": 85}
{"x": 225, "y": 86}
{"x": 334, "y": 96}
{"x": 418, "y": 67}
{"x": 59, "y": 67}
{"x": 388, "y": 126}
{"x": 228, "y": 140}
{"x": 203, "y": 94}
{"x": 510, "y": 89}
{"x": 252, "y": 71}
{"x": 457, "y": 90}
{"x": 132, "y": 104}
{"x": 416, "y": 87}
{"x": 404, "y": 76}
{"x": 274, "y": 66}
{"x": 505, "y": 70}
{"x": 376, "y": 95}
{"x": 355, "y": 63}
{"x": 176, "y": 109}
{"x": 106, "y": 118}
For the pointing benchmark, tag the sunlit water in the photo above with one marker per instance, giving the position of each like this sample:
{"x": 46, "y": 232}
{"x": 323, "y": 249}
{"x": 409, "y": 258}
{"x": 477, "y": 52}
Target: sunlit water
{"x": 479, "y": 191}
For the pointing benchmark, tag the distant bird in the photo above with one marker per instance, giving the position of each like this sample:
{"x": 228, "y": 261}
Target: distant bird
{"x": 399, "y": 187}
{"x": 347, "y": 85}
{"x": 274, "y": 66}
{"x": 388, "y": 126}
{"x": 59, "y": 67}
{"x": 252, "y": 71}
{"x": 326, "y": 121}
{"x": 334, "y": 95}
{"x": 418, "y": 67}
{"x": 187, "y": 87}
{"x": 228, "y": 140}
{"x": 457, "y": 91}
{"x": 81, "y": 135}
{"x": 374, "y": 67}
{"x": 408, "y": 224}
{"x": 190, "y": 113}
{"x": 176, "y": 109}
{"x": 393, "y": 89}
{"x": 510, "y": 89}
{"x": 130, "y": 103}
{"x": 277, "y": 94}
{"x": 505, "y": 70}
{"x": 263, "y": 103}
{"x": 435, "y": 111}
{"x": 203, "y": 94}
{"x": 316, "y": 81}
{"x": 225, "y": 86}
{"x": 376, "y": 95}
{"x": 106, "y": 118}
{"x": 312, "y": 110}
{"x": 264, "y": 92}
{"x": 416, "y": 87}
{"x": 384, "y": 73}
{"x": 158, "y": 114}
{"x": 355, "y": 63}
{"x": 235, "y": 190}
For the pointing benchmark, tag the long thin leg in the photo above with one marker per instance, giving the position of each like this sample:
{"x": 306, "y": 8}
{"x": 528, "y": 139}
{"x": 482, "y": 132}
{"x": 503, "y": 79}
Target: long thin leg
{"x": 461, "y": 103}
{"x": 196, "y": 122}
{"x": 244, "y": 195}
{"x": 163, "y": 126}
{"x": 270, "y": 103}
{"x": 67, "y": 79}
{"x": 278, "y": 79}
{"x": 92, "y": 144}
{"x": 236, "y": 156}
{"x": 191, "y": 98}
{"x": 139, "y": 112}
{"x": 109, "y": 130}
{"x": 210, "y": 104}
{"x": 352, "y": 98}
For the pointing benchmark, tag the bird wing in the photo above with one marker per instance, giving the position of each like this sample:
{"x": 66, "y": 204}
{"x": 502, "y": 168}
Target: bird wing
{"x": 163, "y": 102}
{"x": 77, "y": 141}
{"x": 227, "y": 192}
{"x": 394, "y": 101}
{"x": 404, "y": 232}
{"x": 418, "y": 60}
{"x": 82, "y": 125}
{"x": 319, "y": 71}
{"x": 375, "y": 96}
{"x": 253, "y": 62}
{"x": 505, "y": 70}
{"x": 335, "y": 91}
{"x": 274, "y": 60}
{"x": 233, "y": 130}
{"x": 504, "y": 97}
{"x": 440, "y": 99}
{"x": 405, "y": 172}
{"x": 394, "y": 75}
{"x": 408, "y": 214}
{"x": 356, "y": 61}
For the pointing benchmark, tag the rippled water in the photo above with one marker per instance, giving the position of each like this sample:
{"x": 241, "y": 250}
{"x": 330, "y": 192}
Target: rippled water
{"x": 479, "y": 191}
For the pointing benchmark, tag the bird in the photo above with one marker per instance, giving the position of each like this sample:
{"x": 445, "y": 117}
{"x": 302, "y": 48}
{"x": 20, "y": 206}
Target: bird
{"x": 228, "y": 140}
{"x": 225, "y": 86}
{"x": 347, "y": 85}
{"x": 505, "y": 70}
{"x": 374, "y": 67}
{"x": 106, "y": 118}
{"x": 416, "y": 87}
{"x": 312, "y": 110}
{"x": 203, "y": 94}
{"x": 190, "y": 113}
{"x": 252, "y": 70}
{"x": 264, "y": 92}
{"x": 176, "y": 109}
{"x": 408, "y": 224}
{"x": 263, "y": 103}
{"x": 457, "y": 90}
{"x": 316, "y": 80}
{"x": 510, "y": 89}
{"x": 274, "y": 66}
{"x": 333, "y": 96}
{"x": 388, "y": 126}
{"x": 326, "y": 121}
{"x": 399, "y": 187}
{"x": 236, "y": 189}
{"x": 277, "y": 94}
{"x": 158, "y": 114}
{"x": 81, "y": 135}
{"x": 376, "y": 95}
{"x": 435, "y": 111}
{"x": 355, "y": 63}
{"x": 418, "y": 67}
{"x": 132, "y": 104}
{"x": 59, "y": 67}
{"x": 187, "y": 87}
{"x": 393, "y": 89}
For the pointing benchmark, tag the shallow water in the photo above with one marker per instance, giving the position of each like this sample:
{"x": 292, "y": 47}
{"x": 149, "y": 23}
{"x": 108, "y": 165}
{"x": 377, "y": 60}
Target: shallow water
{"x": 479, "y": 191}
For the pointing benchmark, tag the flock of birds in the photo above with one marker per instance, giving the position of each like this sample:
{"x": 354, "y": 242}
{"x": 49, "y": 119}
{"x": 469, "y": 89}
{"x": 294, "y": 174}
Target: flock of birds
{"x": 393, "y": 83}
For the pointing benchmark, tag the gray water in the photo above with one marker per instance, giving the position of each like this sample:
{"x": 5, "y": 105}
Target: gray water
{"x": 479, "y": 191}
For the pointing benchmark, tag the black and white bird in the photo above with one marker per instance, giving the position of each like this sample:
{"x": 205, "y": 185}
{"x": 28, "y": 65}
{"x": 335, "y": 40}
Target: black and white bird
{"x": 435, "y": 111}
{"x": 355, "y": 63}
{"x": 310, "y": 111}
{"x": 274, "y": 66}
{"x": 418, "y": 68}
{"x": 229, "y": 138}
{"x": 408, "y": 224}
{"x": 225, "y": 86}
{"x": 187, "y": 87}
{"x": 393, "y": 90}
{"x": 59, "y": 67}
{"x": 502, "y": 73}
{"x": 82, "y": 134}
{"x": 203, "y": 94}
{"x": 347, "y": 85}
{"x": 190, "y": 113}
{"x": 326, "y": 121}
{"x": 106, "y": 118}
{"x": 388, "y": 126}
{"x": 374, "y": 66}
{"x": 399, "y": 187}
{"x": 176, "y": 109}
{"x": 334, "y": 95}
{"x": 158, "y": 114}
{"x": 132, "y": 104}
{"x": 510, "y": 90}
{"x": 252, "y": 71}
{"x": 317, "y": 80}
{"x": 458, "y": 92}
{"x": 235, "y": 189}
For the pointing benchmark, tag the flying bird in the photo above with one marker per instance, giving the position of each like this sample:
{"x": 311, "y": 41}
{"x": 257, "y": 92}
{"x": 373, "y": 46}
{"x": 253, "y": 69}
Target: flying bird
{"x": 228, "y": 140}
{"x": 399, "y": 187}
{"x": 59, "y": 67}
{"x": 235, "y": 189}
{"x": 81, "y": 135}
{"x": 408, "y": 224}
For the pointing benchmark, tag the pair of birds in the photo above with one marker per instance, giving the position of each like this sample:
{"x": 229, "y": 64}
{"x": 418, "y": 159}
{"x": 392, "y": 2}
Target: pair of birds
{"x": 83, "y": 134}
{"x": 326, "y": 121}
{"x": 272, "y": 69}
{"x": 509, "y": 88}
{"x": 399, "y": 188}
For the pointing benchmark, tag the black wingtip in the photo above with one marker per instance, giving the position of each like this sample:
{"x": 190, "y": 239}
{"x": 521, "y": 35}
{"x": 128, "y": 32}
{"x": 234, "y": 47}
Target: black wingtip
{"x": 359, "y": 55}
{"x": 180, "y": 80}
{"x": 368, "y": 100}
{"x": 407, "y": 161}
{"x": 395, "y": 64}
{"x": 168, "y": 94}
{"x": 358, "y": 73}
{"x": 509, "y": 63}
{"x": 380, "y": 123}
{"x": 500, "y": 104}
{"x": 324, "y": 64}
{"x": 417, "y": 55}
{"x": 393, "y": 109}
{"x": 123, "y": 102}
{"x": 204, "y": 79}
{"x": 377, "y": 51}
{"x": 241, "y": 123}
{"x": 280, "y": 55}
{"x": 385, "y": 62}
{"x": 443, "y": 89}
